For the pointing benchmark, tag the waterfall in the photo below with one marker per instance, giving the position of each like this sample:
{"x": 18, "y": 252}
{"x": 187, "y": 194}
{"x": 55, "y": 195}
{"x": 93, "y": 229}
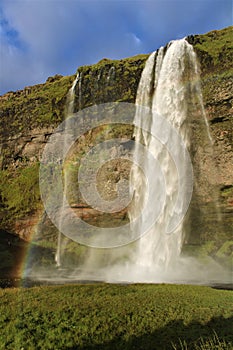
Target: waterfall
{"x": 167, "y": 87}
{"x": 111, "y": 75}
{"x": 169, "y": 101}
{"x": 69, "y": 111}
{"x": 79, "y": 82}
{"x": 71, "y": 95}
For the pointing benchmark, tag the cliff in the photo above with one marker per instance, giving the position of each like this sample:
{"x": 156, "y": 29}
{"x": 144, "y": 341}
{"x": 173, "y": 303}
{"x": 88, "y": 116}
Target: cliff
{"x": 29, "y": 117}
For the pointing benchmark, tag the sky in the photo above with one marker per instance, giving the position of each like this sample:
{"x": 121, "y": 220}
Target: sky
{"x": 41, "y": 38}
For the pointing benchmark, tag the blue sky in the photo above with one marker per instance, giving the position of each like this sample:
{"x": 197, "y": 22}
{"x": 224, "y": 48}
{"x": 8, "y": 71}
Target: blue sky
{"x": 39, "y": 38}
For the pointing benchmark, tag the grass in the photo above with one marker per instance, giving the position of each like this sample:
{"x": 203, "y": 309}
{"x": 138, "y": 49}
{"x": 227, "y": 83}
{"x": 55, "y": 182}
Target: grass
{"x": 99, "y": 85}
{"x": 103, "y": 316}
{"x": 42, "y": 106}
{"x": 215, "y": 48}
{"x": 212, "y": 342}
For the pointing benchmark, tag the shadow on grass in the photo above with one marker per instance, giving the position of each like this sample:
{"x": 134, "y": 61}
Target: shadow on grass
{"x": 172, "y": 333}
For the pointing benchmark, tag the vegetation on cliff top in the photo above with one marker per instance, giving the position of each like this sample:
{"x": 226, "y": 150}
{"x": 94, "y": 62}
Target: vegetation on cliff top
{"x": 109, "y": 81}
{"x": 35, "y": 106}
{"x": 215, "y": 50}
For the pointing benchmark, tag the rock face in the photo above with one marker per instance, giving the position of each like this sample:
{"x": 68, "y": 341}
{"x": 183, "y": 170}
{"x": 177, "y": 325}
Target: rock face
{"x": 216, "y": 164}
{"x": 29, "y": 117}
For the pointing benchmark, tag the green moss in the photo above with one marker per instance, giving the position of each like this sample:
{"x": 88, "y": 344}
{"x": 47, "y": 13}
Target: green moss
{"x": 19, "y": 192}
{"x": 215, "y": 49}
{"x": 226, "y": 250}
{"x": 108, "y": 62}
{"x": 36, "y": 106}
{"x": 227, "y": 191}
{"x": 109, "y": 81}
{"x": 219, "y": 250}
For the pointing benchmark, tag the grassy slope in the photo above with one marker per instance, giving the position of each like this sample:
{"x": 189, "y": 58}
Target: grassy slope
{"x": 114, "y": 317}
{"x": 41, "y": 106}
{"x": 215, "y": 50}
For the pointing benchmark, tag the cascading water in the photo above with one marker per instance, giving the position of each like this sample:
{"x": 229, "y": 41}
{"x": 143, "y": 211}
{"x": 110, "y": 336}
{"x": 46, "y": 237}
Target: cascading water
{"x": 111, "y": 75}
{"x": 61, "y": 242}
{"x": 166, "y": 88}
{"x": 169, "y": 88}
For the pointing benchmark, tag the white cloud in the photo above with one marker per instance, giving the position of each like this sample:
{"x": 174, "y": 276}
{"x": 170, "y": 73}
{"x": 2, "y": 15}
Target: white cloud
{"x": 136, "y": 40}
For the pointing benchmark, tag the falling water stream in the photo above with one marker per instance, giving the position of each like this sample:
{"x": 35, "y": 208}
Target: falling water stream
{"x": 68, "y": 113}
{"x": 166, "y": 87}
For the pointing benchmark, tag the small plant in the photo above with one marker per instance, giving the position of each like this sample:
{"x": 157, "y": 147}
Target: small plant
{"x": 210, "y": 343}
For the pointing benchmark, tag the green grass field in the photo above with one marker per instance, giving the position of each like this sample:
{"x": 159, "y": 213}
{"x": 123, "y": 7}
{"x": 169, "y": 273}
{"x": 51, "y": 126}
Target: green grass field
{"x": 103, "y": 316}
